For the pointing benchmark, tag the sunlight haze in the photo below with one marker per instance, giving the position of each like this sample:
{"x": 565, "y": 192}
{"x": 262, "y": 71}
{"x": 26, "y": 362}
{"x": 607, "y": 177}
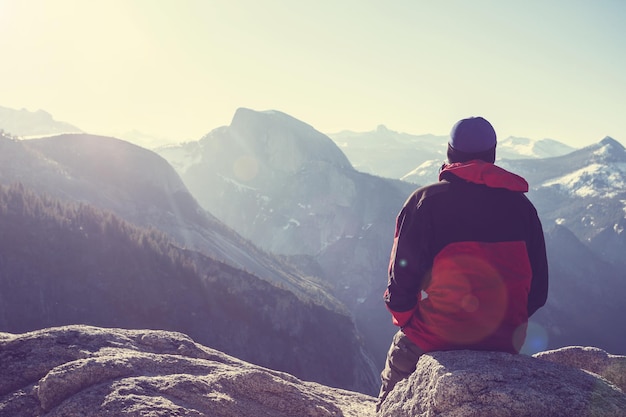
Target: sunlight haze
{"x": 178, "y": 69}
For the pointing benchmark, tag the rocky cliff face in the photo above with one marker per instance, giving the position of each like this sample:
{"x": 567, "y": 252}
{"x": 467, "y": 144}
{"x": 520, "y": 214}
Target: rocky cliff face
{"x": 272, "y": 178}
{"x": 89, "y": 371}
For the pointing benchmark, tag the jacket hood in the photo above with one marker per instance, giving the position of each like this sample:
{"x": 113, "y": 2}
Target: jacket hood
{"x": 481, "y": 172}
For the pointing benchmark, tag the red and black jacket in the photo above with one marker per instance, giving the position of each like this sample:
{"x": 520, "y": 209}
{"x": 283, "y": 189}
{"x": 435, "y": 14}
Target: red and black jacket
{"x": 468, "y": 264}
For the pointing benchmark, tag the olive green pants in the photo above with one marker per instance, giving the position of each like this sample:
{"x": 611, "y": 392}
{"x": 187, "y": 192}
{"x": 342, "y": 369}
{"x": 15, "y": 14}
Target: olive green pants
{"x": 401, "y": 362}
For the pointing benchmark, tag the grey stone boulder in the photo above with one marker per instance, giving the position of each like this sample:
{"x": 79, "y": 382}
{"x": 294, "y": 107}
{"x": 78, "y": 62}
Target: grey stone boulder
{"x": 592, "y": 359}
{"x": 495, "y": 384}
{"x": 88, "y": 371}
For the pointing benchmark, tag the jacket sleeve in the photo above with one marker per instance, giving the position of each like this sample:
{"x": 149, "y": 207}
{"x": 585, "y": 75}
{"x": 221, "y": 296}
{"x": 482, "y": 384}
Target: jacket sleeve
{"x": 408, "y": 263}
{"x": 539, "y": 263}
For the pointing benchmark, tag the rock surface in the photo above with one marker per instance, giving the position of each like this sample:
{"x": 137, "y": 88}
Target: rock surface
{"x": 90, "y": 371}
{"x": 495, "y": 384}
{"x": 610, "y": 367}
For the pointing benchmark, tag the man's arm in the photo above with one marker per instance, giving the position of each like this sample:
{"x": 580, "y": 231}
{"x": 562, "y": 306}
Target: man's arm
{"x": 539, "y": 262}
{"x": 406, "y": 265}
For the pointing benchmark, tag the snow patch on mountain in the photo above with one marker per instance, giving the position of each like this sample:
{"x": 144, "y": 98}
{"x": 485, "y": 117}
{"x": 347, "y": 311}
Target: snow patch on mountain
{"x": 291, "y": 223}
{"x": 239, "y": 186}
{"x": 425, "y": 173}
{"x": 517, "y": 148}
{"x": 523, "y": 147}
{"x": 605, "y": 151}
{"x": 593, "y": 180}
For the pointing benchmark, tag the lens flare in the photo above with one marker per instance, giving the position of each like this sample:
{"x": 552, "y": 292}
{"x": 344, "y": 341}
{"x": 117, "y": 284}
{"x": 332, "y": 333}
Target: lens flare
{"x": 536, "y": 339}
{"x": 246, "y": 168}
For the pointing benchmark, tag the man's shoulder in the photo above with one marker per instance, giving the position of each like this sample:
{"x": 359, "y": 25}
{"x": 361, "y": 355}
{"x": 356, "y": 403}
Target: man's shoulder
{"x": 428, "y": 191}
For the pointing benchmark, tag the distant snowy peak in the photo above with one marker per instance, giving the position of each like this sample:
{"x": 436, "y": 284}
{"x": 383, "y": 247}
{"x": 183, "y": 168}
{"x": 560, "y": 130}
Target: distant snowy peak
{"x": 425, "y": 173}
{"x": 609, "y": 150}
{"x": 593, "y": 180}
{"x": 600, "y": 173}
{"x": 516, "y": 148}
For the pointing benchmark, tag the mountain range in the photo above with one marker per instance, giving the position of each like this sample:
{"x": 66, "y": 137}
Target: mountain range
{"x": 301, "y": 198}
{"x": 417, "y": 158}
{"x": 140, "y": 188}
{"x": 272, "y": 196}
{"x": 25, "y": 123}
{"x": 289, "y": 188}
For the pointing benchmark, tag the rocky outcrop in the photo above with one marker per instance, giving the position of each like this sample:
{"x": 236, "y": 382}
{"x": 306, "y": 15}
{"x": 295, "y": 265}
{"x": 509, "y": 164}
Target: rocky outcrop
{"x": 610, "y": 367}
{"x": 495, "y": 384}
{"x": 89, "y": 371}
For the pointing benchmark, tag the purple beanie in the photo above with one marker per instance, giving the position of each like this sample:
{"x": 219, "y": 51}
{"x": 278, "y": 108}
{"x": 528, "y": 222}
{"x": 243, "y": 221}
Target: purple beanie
{"x": 472, "y": 135}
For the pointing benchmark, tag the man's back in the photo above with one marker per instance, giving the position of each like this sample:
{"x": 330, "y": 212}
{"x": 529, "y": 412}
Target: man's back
{"x": 476, "y": 241}
{"x": 473, "y": 244}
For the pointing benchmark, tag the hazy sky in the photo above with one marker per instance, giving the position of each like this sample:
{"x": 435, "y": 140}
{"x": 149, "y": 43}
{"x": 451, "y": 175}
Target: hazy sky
{"x": 180, "y": 68}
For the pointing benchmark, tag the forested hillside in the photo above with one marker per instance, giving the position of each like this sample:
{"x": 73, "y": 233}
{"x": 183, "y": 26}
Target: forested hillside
{"x": 75, "y": 264}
